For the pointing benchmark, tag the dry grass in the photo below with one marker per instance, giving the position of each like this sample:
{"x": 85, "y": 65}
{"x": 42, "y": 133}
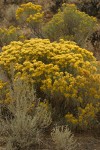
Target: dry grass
{"x": 63, "y": 138}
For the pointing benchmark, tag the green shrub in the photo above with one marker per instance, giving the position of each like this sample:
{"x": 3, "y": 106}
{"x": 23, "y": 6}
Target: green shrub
{"x": 29, "y": 118}
{"x": 85, "y": 119}
{"x": 71, "y": 24}
{"x": 10, "y": 34}
{"x": 62, "y": 72}
{"x": 31, "y": 15}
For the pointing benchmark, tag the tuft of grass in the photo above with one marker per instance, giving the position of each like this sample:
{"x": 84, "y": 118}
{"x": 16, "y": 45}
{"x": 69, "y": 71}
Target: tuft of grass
{"x": 63, "y": 138}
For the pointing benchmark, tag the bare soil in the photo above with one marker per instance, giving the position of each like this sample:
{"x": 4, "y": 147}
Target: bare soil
{"x": 86, "y": 142}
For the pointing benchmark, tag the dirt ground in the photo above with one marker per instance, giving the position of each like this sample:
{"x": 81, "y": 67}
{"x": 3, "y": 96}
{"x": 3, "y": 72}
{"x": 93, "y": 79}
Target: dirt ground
{"x": 86, "y": 142}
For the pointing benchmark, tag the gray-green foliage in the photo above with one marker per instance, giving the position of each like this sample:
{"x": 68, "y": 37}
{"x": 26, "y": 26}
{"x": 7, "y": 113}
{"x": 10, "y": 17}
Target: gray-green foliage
{"x": 63, "y": 138}
{"x": 70, "y": 24}
{"x": 25, "y": 128}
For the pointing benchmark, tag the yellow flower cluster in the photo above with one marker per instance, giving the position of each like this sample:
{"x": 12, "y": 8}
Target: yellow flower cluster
{"x": 2, "y": 84}
{"x": 36, "y": 18}
{"x": 4, "y": 92}
{"x": 10, "y": 34}
{"x": 71, "y": 119}
{"x": 29, "y": 12}
{"x": 86, "y": 117}
{"x": 62, "y": 70}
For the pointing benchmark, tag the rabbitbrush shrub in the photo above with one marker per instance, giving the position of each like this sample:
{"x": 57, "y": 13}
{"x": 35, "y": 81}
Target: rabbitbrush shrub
{"x": 71, "y": 24}
{"x": 31, "y": 15}
{"x": 62, "y": 72}
{"x": 10, "y": 34}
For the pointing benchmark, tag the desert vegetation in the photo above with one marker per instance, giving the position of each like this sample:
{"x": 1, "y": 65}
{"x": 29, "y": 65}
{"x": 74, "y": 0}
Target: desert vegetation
{"x": 49, "y": 73}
